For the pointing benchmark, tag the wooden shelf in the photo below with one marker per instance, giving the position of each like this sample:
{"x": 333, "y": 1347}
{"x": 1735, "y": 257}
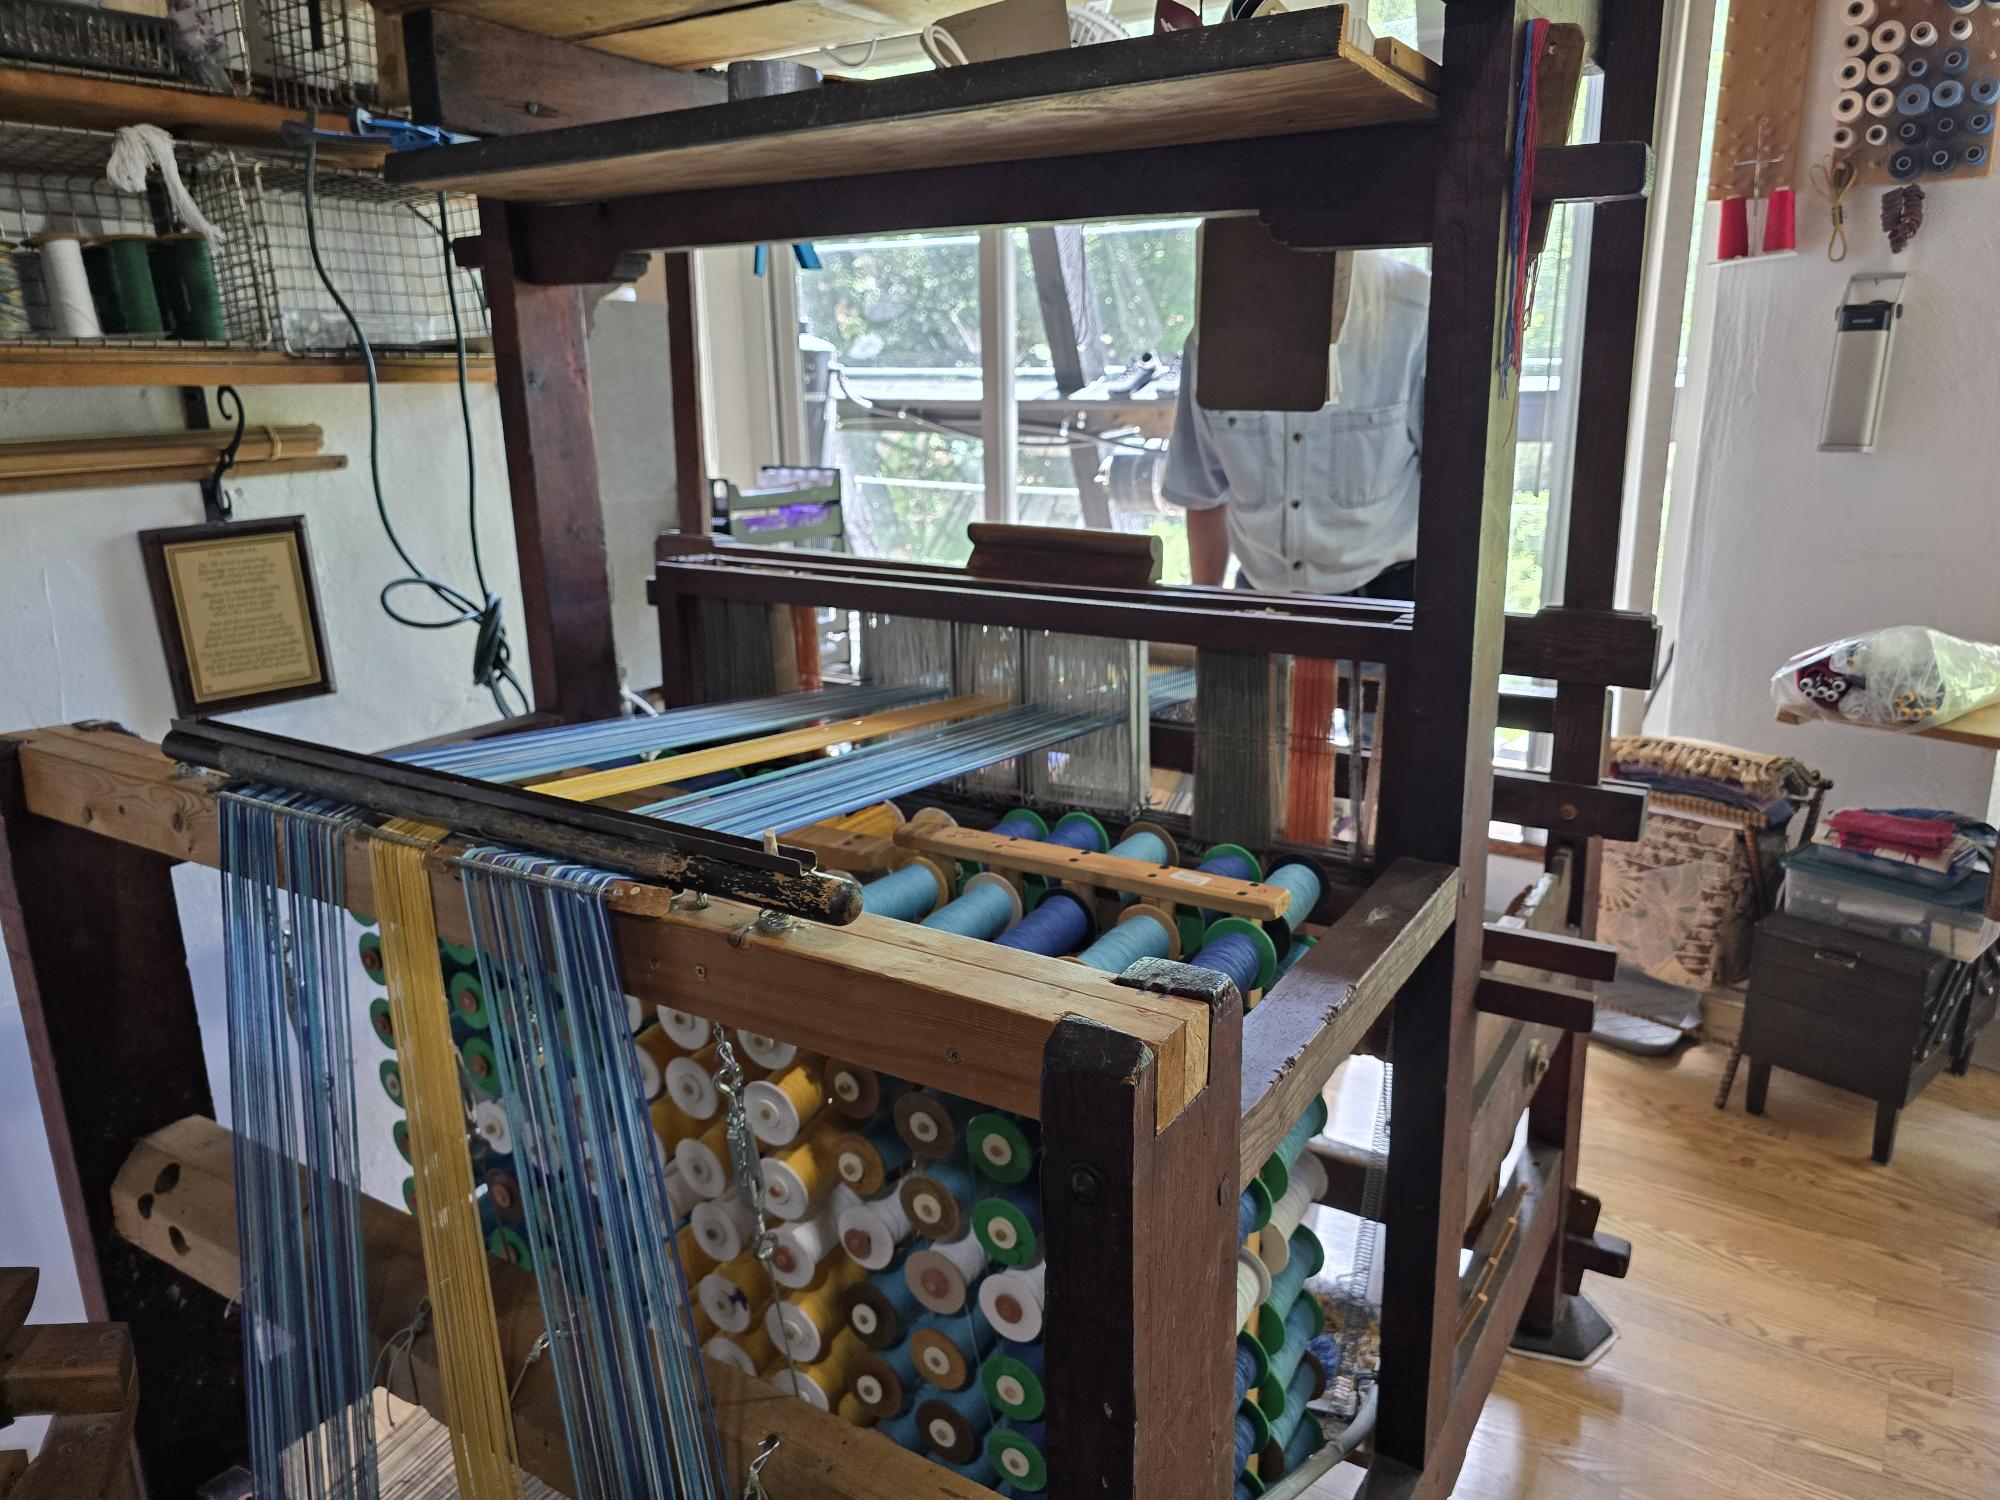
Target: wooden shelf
{"x": 37, "y": 96}
{"x": 1279, "y": 76}
{"x": 107, "y": 365}
{"x": 1980, "y": 728}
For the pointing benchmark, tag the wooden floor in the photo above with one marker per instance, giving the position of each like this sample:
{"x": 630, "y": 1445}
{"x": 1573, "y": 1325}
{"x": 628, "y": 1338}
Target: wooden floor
{"x": 1799, "y": 1324}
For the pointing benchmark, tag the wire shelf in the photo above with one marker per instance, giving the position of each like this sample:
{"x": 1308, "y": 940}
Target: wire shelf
{"x": 301, "y": 52}
{"x": 74, "y": 37}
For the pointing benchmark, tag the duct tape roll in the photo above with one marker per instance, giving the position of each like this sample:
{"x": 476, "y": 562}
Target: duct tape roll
{"x": 866, "y": 1160}
{"x": 1880, "y": 102}
{"x": 1000, "y": 1147}
{"x": 781, "y": 1106}
{"x": 1858, "y": 13}
{"x": 1012, "y": 1377}
{"x": 935, "y": 1199}
{"x": 882, "y": 1309}
{"x": 723, "y": 1227}
{"x": 1889, "y": 37}
{"x": 734, "y": 1296}
{"x": 948, "y": 1350}
{"x": 1853, "y": 73}
{"x": 1884, "y": 69}
{"x": 1923, "y": 34}
{"x": 690, "y": 1083}
{"x": 942, "y": 1275}
{"x": 684, "y": 1028}
{"x": 489, "y": 1123}
{"x": 875, "y": 1231}
{"x": 1854, "y": 41}
{"x": 1877, "y": 134}
{"x": 933, "y": 1122}
{"x": 704, "y": 1160}
{"x": 767, "y": 1051}
{"x": 1012, "y": 1301}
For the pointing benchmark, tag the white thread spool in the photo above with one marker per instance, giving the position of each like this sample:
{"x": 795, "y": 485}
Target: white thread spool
{"x": 704, "y": 1171}
{"x": 726, "y": 1350}
{"x": 1881, "y": 102}
{"x": 723, "y": 1226}
{"x": 1012, "y": 1302}
{"x": 691, "y": 1086}
{"x": 1853, "y": 73}
{"x": 789, "y": 1196}
{"x": 490, "y": 1120}
{"x": 804, "y": 1386}
{"x": 1847, "y": 107}
{"x": 635, "y": 1014}
{"x": 1855, "y": 42}
{"x": 1274, "y": 1241}
{"x": 681, "y": 1196}
{"x": 1885, "y": 68}
{"x": 686, "y": 1030}
{"x": 790, "y": 1328}
{"x": 872, "y": 1232}
{"x": 68, "y": 288}
{"x": 781, "y": 1106}
{"x": 1858, "y": 12}
{"x": 726, "y": 1303}
{"x": 1890, "y": 37}
{"x": 1961, "y": 29}
{"x": 649, "y": 1073}
{"x": 1923, "y": 34}
{"x": 1876, "y": 134}
{"x": 767, "y": 1051}
{"x": 1843, "y": 137}
{"x": 941, "y": 1275}
{"x": 1253, "y": 1286}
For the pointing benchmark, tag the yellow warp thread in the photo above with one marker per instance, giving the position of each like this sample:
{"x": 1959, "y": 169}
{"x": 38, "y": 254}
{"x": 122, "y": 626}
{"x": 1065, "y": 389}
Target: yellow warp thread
{"x": 468, "y": 1342}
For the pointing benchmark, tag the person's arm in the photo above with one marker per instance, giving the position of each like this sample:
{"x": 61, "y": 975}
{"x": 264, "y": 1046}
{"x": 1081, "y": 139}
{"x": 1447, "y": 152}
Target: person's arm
{"x": 1208, "y": 544}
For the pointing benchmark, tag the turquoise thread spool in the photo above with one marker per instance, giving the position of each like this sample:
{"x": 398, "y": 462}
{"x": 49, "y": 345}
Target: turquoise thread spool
{"x": 1304, "y": 1323}
{"x": 1300, "y": 1389}
{"x": 1276, "y": 1173}
{"x": 906, "y": 895}
{"x": 1301, "y": 882}
{"x": 1301, "y": 946}
{"x": 1307, "y": 1256}
{"x": 1306, "y": 1440}
{"x": 1141, "y": 933}
{"x": 1012, "y": 1378}
{"x": 903, "y": 1431}
{"x": 984, "y": 909}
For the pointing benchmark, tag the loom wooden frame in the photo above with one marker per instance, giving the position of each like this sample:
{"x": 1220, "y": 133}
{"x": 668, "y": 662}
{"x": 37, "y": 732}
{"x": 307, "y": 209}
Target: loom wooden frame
{"x": 91, "y": 823}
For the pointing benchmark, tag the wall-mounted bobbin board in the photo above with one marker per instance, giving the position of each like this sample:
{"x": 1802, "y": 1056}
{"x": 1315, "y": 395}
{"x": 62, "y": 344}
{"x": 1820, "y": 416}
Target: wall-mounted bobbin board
{"x": 1760, "y": 108}
{"x": 1917, "y": 87}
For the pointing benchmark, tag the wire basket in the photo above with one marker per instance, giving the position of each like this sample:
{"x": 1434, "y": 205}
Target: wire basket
{"x": 60, "y": 34}
{"x": 384, "y": 248}
{"x": 300, "y": 52}
{"x": 52, "y": 182}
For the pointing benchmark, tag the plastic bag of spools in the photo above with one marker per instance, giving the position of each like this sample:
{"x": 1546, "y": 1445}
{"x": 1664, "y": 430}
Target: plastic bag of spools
{"x": 1905, "y": 677}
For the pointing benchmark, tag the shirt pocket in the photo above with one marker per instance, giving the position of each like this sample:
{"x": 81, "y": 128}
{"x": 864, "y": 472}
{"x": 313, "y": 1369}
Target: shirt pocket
{"x": 1356, "y": 458}
{"x": 1250, "y": 445}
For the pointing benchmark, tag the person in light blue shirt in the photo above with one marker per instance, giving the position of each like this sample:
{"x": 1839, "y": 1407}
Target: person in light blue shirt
{"x": 1320, "y": 502}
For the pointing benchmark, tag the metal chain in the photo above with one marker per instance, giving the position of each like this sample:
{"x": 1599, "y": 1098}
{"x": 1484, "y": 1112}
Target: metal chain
{"x": 749, "y": 1173}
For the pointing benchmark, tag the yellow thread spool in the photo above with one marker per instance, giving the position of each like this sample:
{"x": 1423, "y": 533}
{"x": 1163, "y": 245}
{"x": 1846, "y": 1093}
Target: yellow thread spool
{"x": 797, "y": 1178}
{"x": 784, "y": 1105}
{"x": 854, "y": 1413}
{"x": 695, "y": 1261}
{"x": 656, "y": 1044}
{"x": 736, "y": 1295}
{"x": 813, "y": 1316}
{"x": 672, "y": 1124}
{"x": 704, "y": 1160}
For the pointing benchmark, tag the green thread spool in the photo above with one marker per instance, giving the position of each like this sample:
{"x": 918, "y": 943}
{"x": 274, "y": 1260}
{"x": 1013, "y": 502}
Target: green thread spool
{"x": 184, "y": 283}
{"x": 508, "y": 1245}
{"x": 14, "y": 322}
{"x": 998, "y": 1147}
{"x": 370, "y": 947}
{"x": 400, "y": 1134}
{"x": 120, "y": 269}
{"x": 481, "y": 1064}
{"x": 468, "y": 1000}
{"x": 382, "y": 1021}
{"x": 459, "y": 955}
{"x": 392, "y": 1082}
{"x": 410, "y": 1194}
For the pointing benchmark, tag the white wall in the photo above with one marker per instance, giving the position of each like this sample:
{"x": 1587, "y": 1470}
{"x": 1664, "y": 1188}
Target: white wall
{"x": 77, "y": 640}
{"x": 1788, "y": 547}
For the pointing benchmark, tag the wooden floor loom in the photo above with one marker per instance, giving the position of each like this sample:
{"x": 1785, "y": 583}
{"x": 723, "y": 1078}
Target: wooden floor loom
{"x": 1155, "y": 1107}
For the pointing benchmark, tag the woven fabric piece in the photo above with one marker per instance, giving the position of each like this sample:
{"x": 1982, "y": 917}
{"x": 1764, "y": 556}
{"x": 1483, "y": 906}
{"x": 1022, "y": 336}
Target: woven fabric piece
{"x": 1680, "y": 903}
{"x": 1758, "y": 775}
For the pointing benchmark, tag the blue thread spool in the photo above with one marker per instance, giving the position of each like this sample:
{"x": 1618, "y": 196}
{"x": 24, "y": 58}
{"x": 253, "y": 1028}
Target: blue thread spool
{"x": 903, "y": 1431}
{"x": 1009, "y": 1226}
{"x": 1980, "y": 122}
{"x": 1061, "y": 924}
{"x": 1246, "y": 1440}
{"x": 1079, "y": 830}
{"x": 1972, "y": 154}
{"x": 1260, "y": 1362}
{"x": 1301, "y": 946}
{"x": 1276, "y": 1173}
{"x": 868, "y": 1159}
{"x": 1001, "y": 1147}
{"x": 1017, "y": 1452}
{"x": 1243, "y": 952}
{"x": 1905, "y": 166}
{"x": 1915, "y": 99}
{"x": 1954, "y": 62}
{"x": 1229, "y": 862}
{"x": 907, "y": 895}
{"x": 1307, "y": 1255}
{"x": 953, "y": 1423}
{"x": 1246, "y": 1370}
{"x": 1912, "y": 132}
{"x": 1012, "y": 1378}
{"x": 1141, "y": 933}
{"x": 882, "y": 1309}
{"x": 1984, "y": 91}
{"x": 1948, "y": 94}
{"x": 1021, "y": 823}
{"x": 979, "y": 1471}
{"x": 1301, "y": 881}
{"x": 984, "y": 909}
{"x": 1252, "y": 1213}
{"x": 935, "y": 1198}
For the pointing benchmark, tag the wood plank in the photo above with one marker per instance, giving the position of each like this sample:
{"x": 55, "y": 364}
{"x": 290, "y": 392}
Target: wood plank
{"x": 87, "y": 479}
{"x": 80, "y": 1459}
{"x": 27, "y": 364}
{"x": 67, "y": 1367}
{"x": 38, "y": 96}
{"x": 13, "y": 1463}
{"x": 720, "y": 31}
{"x": 1317, "y": 1014}
{"x": 1604, "y": 647}
{"x": 1285, "y": 74}
{"x": 1981, "y": 727}
{"x": 473, "y": 76}
{"x": 1602, "y": 809}
{"x": 1556, "y": 952}
{"x": 942, "y": 1010}
{"x": 17, "y": 1297}
{"x": 1171, "y": 885}
{"x": 1537, "y": 1002}
{"x": 1411, "y": 63}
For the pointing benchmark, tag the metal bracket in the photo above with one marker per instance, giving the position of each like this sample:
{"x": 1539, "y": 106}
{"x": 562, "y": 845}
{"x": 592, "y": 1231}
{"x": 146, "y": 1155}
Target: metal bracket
{"x": 215, "y": 501}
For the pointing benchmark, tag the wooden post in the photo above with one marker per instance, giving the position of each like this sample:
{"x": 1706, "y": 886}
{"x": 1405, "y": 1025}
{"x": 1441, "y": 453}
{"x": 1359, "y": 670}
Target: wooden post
{"x": 1437, "y": 794}
{"x": 1141, "y": 1234}
{"x": 684, "y": 383}
{"x": 95, "y": 942}
{"x": 544, "y": 376}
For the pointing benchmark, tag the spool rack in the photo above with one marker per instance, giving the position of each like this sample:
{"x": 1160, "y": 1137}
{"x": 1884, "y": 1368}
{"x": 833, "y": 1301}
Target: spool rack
{"x": 380, "y": 243}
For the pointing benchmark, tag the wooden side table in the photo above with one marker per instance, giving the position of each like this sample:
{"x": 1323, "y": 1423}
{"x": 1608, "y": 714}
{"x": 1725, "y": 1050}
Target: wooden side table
{"x": 1876, "y": 1018}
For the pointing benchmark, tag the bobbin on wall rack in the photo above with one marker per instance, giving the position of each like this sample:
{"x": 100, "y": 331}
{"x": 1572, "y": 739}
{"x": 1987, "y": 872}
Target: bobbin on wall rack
{"x": 1150, "y": 1102}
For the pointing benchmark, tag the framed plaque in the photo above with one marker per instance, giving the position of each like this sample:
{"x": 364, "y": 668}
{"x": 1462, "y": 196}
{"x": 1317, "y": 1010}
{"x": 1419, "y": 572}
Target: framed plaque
{"x": 238, "y": 613}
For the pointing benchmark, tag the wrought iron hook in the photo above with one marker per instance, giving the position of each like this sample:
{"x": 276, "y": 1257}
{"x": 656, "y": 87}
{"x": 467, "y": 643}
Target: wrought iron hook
{"x": 214, "y": 499}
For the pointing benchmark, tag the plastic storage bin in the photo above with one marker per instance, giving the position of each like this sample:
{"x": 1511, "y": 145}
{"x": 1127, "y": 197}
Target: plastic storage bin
{"x": 1821, "y": 893}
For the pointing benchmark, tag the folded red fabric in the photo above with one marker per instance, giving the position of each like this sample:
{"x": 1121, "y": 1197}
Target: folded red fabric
{"x": 1858, "y": 827}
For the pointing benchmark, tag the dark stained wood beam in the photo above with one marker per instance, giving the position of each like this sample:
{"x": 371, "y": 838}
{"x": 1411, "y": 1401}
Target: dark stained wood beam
{"x": 1538, "y": 1002}
{"x": 1608, "y": 810}
{"x": 481, "y": 79}
{"x": 1554, "y": 952}
{"x": 1606, "y": 647}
